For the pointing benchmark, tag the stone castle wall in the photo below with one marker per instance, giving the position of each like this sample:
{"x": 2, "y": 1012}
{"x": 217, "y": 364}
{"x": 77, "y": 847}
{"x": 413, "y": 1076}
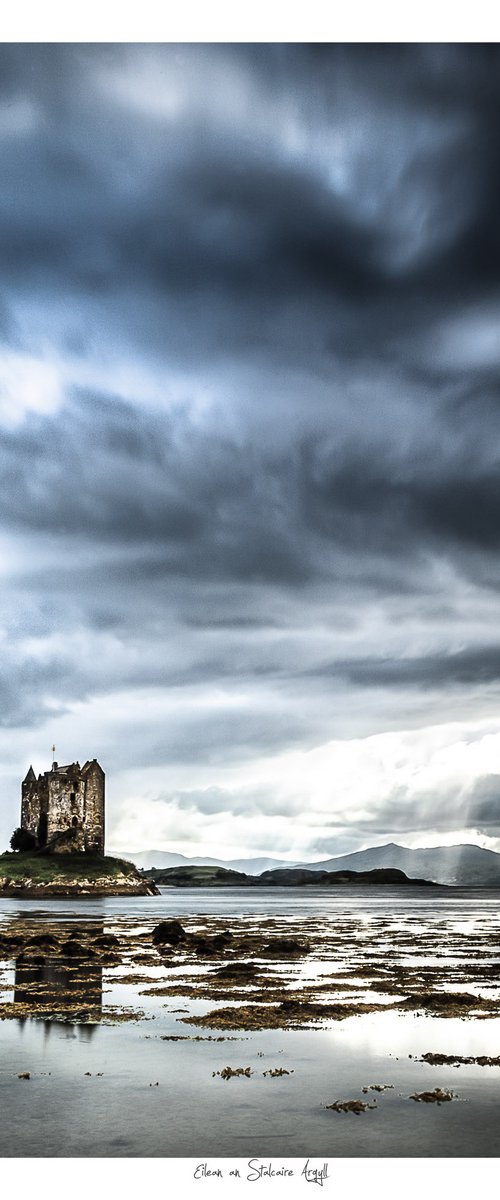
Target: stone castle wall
{"x": 66, "y": 806}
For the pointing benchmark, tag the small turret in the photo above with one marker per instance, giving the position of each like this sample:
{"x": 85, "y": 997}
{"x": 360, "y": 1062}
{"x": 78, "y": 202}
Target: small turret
{"x": 30, "y": 777}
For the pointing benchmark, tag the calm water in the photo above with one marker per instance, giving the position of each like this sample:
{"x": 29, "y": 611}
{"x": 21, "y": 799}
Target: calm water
{"x": 113, "y": 1111}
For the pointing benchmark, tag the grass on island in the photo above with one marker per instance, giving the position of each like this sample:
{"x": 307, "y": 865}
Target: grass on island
{"x": 19, "y": 865}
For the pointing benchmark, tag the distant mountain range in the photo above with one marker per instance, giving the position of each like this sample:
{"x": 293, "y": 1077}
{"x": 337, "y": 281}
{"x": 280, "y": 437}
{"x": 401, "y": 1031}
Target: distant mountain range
{"x": 163, "y": 858}
{"x": 465, "y": 866}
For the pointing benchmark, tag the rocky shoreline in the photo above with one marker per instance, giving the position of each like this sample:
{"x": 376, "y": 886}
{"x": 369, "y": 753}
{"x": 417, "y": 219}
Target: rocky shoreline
{"x": 74, "y": 889}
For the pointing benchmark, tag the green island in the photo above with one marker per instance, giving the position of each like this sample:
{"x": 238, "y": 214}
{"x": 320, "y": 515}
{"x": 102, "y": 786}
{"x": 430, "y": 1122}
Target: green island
{"x": 31, "y": 874}
{"x": 210, "y": 876}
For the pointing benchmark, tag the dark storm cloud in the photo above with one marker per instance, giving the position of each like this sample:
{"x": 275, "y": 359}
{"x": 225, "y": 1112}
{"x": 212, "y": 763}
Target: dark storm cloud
{"x": 96, "y": 471}
{"x": 164, "y": 501}
{"x": 441, "y": 493}
{"x": 221, "y": 208}
{"x": 472, "y": 667}
{"x": 253, "y": 223}
{"x": 102, "y": 469}
{"x": 256, "y": 232}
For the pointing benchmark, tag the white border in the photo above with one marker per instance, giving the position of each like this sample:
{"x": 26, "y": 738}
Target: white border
{"x": 261, "y": 21}
{"x": 378, "y": 1178}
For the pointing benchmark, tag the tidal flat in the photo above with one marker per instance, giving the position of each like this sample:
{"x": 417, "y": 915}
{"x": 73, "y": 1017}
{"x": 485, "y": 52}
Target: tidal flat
{"x": 196, "y": 1025}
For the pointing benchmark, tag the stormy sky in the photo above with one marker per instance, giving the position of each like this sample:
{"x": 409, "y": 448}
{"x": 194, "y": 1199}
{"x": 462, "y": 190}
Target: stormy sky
{"x": 250, "y": 439}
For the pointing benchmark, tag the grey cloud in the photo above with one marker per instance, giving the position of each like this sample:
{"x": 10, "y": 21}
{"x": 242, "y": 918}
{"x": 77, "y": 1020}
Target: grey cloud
{"x": 245, "y": 802}
{"x": 478, "y": 665}
{"x": 484, "y": 805}
{"x": 103, "y": 469}
{"x": 228, "y": 736}
{"x": 25, "y": 699}
{"x": 475, "y": 807}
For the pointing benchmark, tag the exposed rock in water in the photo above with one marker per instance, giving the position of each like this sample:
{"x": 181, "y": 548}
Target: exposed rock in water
{"x": 438, "y": 1096}
{"x": 233, "y": 1072}
{"x": 74, "y": 949}
{"x": 168, "y": 933}
{"x": 445, "y": 1004}
{"x": 350, "y": 1106}
{"x": 458, "y": 1060}
{"x": 238, "y": 970}
{"x": 286, "y": 946}
{"x": 107, "y": 941}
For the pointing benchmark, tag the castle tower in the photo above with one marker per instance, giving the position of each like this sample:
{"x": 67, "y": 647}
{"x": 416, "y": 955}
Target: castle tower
{"x": 94, "y": 781}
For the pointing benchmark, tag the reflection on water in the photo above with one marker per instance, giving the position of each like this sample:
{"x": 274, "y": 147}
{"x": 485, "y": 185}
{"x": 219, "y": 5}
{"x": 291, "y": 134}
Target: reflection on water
{"x": 47, "y": 987}
{"x": 56, "y": 972}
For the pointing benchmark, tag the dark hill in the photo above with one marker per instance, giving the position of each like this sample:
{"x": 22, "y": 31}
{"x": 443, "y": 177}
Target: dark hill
{"x": 202, "y": 876}
{"x": 302, "y": 877}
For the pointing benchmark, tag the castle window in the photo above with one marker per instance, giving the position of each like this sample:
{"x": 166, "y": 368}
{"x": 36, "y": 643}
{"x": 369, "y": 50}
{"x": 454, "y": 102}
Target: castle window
{"x": 74, "y": 822}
